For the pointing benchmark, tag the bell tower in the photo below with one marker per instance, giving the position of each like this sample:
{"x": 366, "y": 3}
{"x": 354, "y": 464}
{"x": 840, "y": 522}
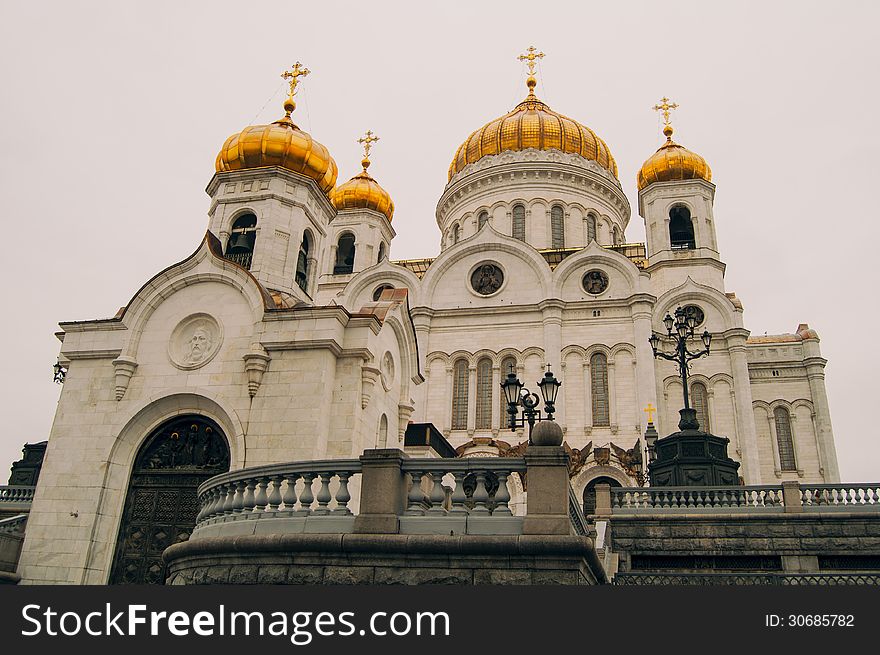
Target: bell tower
{"x": 676, "y": 198}
{"x": 270, "y": 204}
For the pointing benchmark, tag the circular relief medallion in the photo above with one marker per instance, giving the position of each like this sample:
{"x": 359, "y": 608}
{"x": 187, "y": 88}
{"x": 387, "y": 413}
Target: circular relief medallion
{"x": 195, "y": 341}
{"x": 487, "y": 279}
{"x": 387, "y": 370}
{"x": 595, "y": 282}
{"x": 696, "y": 312}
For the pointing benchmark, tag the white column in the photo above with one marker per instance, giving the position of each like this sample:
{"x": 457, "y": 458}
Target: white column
{"x": 748, "y": 437}
{"x": 472, "y": 399}
{"x": 612, "y": 396}
{"x": 497, "y": 391}
{"x": 588, "y": 398}
{"x": 824, "y": 435}
{"x": 447, "y": 429}
{"x": 646, "y": 382}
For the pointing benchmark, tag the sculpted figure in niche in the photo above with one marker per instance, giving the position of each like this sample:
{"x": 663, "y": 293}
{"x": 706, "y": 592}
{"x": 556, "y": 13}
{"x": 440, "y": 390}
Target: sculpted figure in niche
{"x": 595, "y": 282}
{"x": 199, "y": 346}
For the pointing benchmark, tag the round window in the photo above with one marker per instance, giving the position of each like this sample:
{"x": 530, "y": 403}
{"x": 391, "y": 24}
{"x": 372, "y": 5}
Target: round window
{"x": 595, "y": 282}
{"x": 487, "y": 279}
{"x": 696, "y": 312}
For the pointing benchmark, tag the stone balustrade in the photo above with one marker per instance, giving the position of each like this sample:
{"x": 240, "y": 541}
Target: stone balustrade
{"x": 579, "y": 523}
{"x": 695, "y": 499}
{"x": 848, "y": 497}
{"x": 16, "y": 494}
{"x": 475, "y": 486}
{"x": 295, "y": 490}
{"x": 785, "y": 497}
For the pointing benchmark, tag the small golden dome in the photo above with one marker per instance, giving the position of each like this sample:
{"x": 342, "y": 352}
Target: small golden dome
{"x": 362, "y": 192}
{"x": 281, "y": 143}
{"x": 532, "y": 124}
{"x": 673, "y": 162}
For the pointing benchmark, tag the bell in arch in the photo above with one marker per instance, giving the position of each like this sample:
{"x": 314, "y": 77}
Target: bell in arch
{"x": 239, "y": 243}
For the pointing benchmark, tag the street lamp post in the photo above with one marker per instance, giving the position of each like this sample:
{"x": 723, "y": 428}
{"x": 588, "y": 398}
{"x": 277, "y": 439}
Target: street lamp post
{"x": 680, "y": 329}
{"x": 518, "y": 396}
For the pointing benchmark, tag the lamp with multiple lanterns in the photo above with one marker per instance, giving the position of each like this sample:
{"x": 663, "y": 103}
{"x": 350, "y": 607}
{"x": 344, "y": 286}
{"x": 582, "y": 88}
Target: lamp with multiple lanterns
{"x": 680, "y": 329}
{"x": 521, "y": 399}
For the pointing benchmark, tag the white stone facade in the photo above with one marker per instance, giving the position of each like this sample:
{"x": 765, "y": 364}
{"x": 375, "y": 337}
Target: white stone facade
{"x": 320, "y": 369}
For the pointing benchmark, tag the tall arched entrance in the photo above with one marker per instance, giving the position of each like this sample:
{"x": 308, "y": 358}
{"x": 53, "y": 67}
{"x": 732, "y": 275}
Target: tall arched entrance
{"x": 161, "y": 504}
{"x": 590, "y": 492}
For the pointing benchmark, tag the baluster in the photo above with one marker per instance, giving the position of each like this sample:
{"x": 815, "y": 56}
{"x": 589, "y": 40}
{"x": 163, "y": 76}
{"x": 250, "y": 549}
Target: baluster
{"x": 261, "y": 499}
{"x": 238, "y": 501}
{"x": 502, "y": 496}
{"x": 203, "y": 505}
{"x": 342, "y": 494}
{"x": 275, "y": 494}
{"x": 214, "y": 507}
{"x": 481, "y": 495}
{"x": 415, "y": 496}
{"x": 289, "y": 495}
{"x": 306, "y": 497}
{"x": 872, "y": 495}
{"x": 725, "y": 498}
{"x": 324, "y": 496}
{"x": 851, "y": 498}
{"x": 437, "y": 494}
{"x": 458, "y": 496}
{"x": 229, "y": 501}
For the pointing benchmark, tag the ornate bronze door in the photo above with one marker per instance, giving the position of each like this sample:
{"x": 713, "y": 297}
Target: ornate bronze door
{"x": 161, "y": 504}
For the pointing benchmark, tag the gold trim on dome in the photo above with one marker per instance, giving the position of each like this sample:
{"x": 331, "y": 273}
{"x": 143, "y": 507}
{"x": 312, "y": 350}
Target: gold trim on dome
{"x": 672, "y": 162}
{"x": 362, "y": 191}
{"x": 532, "y": 124}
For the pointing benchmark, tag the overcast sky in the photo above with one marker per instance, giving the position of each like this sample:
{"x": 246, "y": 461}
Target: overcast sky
{"x": 113, "y": 113}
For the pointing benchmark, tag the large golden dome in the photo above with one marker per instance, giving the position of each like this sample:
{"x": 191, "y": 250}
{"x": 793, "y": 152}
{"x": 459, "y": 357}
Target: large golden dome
{"x": 281, "y": 143}
{"x": 673, "y": 162}
{"x": 532, "y": 124}
{"x": 362, "y": 192}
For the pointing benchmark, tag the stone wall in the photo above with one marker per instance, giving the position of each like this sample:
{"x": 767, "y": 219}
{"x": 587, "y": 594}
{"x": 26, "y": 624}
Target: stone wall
{"x": 816, "y": 542}
{"x": 385, "y": 559}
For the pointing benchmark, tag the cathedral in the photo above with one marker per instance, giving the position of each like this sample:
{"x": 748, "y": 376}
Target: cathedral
{"x": 291, "y": 333}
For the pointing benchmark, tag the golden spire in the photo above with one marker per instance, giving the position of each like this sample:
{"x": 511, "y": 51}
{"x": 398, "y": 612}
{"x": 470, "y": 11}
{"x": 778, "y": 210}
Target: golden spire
{"x": 665, "y": 108}
{"x": 650, "y": 409}
{"x": 530, "y": 58}
{"x": 367, "y": 140}
{"x": 292, "y": 76}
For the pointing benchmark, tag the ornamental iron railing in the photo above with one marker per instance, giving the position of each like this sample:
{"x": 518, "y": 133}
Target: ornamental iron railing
{"x": 738, "y": 579}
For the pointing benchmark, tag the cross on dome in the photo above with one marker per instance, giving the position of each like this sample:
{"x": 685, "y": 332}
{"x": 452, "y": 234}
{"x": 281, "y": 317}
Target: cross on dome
{"x": 292, "y": 77}
{"x": 531, "y": 56}
{"x": 367, "y": 140}
{"x": 665, "y": 107}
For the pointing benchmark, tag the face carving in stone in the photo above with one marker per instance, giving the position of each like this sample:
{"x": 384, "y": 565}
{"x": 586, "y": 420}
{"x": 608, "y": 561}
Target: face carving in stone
{"x": 199, "y": 345}
{"x": 195, "y": 341}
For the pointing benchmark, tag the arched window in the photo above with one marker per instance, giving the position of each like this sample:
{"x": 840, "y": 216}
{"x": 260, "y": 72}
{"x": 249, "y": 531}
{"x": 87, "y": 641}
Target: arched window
{"x": 345, "y": 249}
{"x": 681, "y": 229}
{"x": 599, "y": 389}
{"x": 590, "y": 493}
{"x": 484, "y": 394}
{"x": 382, "y": 253}
{"x": 482, "y": 219}
{"x": 508, "y": 365}
{"x": 242, "y": 238}
{"x": 302, "y": 262}
{"x": 518, "y": 227}
{"x": 378, "y": 292}
{"x": 382, "y": 438}
{"x": 591, "y": 228}
{"x": 456, "y": 233}
{"x": 700, "y": 402}
{"x": 460, "y": 395}
{"x": 557, "y": 227}
{"x": 784, "y": 439}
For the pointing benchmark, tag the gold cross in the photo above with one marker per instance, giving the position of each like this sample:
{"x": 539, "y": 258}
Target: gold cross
{"x": 368, "y": 140}
{"x": 649, "y": 410}
{"x": 665, "y": 107}
{"x": 531, "y": 57}
{"x": 292, "y": 76}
